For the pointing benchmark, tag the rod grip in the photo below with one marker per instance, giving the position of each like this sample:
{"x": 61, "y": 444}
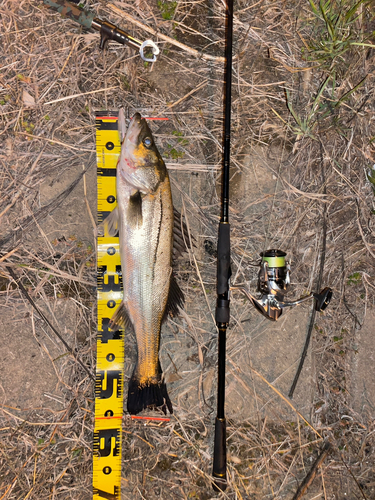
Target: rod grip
{"x": 219, "y": 469}
{"x": 223, "y": 259}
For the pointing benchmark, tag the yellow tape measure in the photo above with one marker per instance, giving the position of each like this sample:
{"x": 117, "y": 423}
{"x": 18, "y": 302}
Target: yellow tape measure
{"x": 109, "y": 386}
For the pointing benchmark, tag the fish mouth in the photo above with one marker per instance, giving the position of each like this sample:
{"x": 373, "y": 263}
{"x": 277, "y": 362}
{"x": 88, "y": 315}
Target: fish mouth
{"x": 134, "y": 129}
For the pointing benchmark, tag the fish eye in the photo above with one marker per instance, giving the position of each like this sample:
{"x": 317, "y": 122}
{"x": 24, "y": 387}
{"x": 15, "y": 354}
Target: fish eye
{"x": 147, "y": 142}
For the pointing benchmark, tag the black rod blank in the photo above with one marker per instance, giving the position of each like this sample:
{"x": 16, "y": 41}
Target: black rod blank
{"x": 227, "y": 112}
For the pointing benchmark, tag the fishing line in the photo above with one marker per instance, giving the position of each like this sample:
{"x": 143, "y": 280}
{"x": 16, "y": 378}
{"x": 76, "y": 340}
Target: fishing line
{"x": 39, "y": 214}
{"x": 27, "y": 296}
{"x": 267, "y": 231}
{"x": 319, "y": 283}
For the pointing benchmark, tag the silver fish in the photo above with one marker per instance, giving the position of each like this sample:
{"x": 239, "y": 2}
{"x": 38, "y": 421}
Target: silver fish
{"x": 144, "y": 218}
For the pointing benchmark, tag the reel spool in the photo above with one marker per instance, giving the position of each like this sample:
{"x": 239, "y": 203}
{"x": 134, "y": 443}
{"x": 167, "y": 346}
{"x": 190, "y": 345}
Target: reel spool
{"x": 273, "y": 284}
{"x": 274, "y": 272}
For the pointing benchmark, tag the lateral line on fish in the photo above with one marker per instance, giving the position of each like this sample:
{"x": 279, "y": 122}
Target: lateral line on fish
{"x": 159, "y": 228}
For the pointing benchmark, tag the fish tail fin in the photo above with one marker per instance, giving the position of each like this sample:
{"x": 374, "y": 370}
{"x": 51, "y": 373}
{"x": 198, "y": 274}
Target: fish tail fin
{"x": 151, "y": 395}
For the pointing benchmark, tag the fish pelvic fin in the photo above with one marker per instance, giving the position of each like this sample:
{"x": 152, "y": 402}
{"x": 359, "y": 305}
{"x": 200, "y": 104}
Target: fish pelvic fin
{"x": 120, "y": 318}
{"x": 152, "y": 395}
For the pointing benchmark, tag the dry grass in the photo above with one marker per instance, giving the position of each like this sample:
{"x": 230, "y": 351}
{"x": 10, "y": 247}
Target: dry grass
{"x": 53, "y": 77}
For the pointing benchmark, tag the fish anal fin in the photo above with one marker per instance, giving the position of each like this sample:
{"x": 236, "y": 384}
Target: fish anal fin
{"x": 175, "y": 299}
{"x": 120, "y": 318}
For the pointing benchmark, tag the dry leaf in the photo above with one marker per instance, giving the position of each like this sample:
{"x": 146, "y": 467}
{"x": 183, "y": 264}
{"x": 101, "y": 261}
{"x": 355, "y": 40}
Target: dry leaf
{"x": 28, "y": 99}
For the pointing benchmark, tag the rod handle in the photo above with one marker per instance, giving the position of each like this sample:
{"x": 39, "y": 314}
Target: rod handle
{"x": 219, "y": 469}
{"x": 223, "y": 259}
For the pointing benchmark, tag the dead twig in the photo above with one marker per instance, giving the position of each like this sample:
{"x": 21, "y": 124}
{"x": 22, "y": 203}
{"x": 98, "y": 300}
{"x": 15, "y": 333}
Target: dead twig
{"x": 306, "y": 483}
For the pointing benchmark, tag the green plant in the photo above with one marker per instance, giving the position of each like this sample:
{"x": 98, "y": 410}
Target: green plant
{"x": 125, "y": 82}
{"x": 167, "y": 9}
{"x": 304, "y": 126}
{"x": 180, "y": 138}
{"x": 5, "y": 99}
{"x": 173, "y": 153}
{"x": 336, "y": 32}
{"x": 28, "y": 126}
{"x": 23, "y": 78}
{"x": 354, "y": 279}
{"x": 371, "y": 177}
{"x": 325, "y": 104}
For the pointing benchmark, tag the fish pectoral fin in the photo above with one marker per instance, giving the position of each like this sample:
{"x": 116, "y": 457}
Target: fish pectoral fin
{"x": 120, "y": 318}
{"x": 135, "y": 217}
{"x": 175, "y": 299}
{"x": 111, "y": 223}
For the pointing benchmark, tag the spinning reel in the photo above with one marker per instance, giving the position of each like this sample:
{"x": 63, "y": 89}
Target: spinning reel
{"x": 273, "y": 284}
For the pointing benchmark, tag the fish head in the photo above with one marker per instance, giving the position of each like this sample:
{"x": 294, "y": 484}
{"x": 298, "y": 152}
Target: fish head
{"x": 141, "y": 165}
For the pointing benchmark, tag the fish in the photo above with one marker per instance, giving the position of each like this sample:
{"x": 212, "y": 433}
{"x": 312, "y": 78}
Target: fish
{"x": 144, "y": 219}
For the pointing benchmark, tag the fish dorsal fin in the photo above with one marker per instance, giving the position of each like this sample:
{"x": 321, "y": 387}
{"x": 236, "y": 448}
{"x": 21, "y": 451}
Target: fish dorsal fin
{"x": 120, "y": 318}
{"x": 121, "y": 124}
{"x": 175, "y": 299}
{"x": 181, "y": 240}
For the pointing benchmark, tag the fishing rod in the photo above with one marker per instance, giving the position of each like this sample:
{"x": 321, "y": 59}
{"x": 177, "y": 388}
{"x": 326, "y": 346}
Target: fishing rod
{"x": 273, "y": 277}
{"x": 108, "y": 31}
{"x": 222, "y": 314}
